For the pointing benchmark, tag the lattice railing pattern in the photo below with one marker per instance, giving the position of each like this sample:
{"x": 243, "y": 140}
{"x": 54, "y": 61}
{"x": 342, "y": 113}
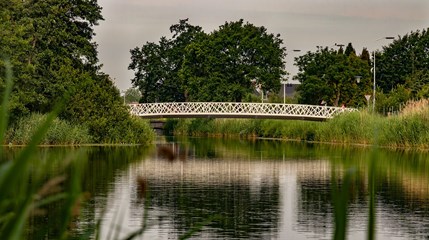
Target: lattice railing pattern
{"x": 236, "y": 110}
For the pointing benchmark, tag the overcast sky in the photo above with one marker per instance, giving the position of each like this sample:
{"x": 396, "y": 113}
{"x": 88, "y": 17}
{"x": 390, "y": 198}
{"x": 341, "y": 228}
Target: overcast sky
{"x": 302, "y": 24}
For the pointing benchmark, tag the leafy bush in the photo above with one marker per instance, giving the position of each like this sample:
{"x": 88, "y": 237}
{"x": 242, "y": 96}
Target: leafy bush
{"x": 97, "y": 104}
{"x": 423, "y": 92}
{"x": 131, "y": 130}
{"x": 251, "y": 97}
{"x": 393, "y": 101}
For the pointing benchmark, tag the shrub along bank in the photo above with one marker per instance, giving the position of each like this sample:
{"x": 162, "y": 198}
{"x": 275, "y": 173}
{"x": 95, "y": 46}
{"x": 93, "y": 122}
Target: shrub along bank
{"x": 409, "y": 129}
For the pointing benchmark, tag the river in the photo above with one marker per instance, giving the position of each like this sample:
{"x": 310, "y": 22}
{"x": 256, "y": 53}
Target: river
{"x": 239, "y": 189}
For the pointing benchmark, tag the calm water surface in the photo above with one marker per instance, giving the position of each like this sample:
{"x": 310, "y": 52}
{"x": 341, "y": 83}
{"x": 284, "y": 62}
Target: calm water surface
{"x": 247, "y": 190}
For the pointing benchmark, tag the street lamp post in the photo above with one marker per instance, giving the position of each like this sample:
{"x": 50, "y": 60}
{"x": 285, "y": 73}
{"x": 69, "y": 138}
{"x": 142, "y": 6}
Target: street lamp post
{"x": 339, "y": 45}
{"x": 284, "y": 90}
{"x": 374, "y": 85}
{"x": 284, "y": 82}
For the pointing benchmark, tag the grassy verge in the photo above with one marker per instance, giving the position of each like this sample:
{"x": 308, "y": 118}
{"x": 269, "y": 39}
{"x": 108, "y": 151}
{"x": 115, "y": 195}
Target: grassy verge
{"x": 409, "y": 129}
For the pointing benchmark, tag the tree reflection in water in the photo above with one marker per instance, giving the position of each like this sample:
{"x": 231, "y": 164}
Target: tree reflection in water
{"x": 260, "y": 189}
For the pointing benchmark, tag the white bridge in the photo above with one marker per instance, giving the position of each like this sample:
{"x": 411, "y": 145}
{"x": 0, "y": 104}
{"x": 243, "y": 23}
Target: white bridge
{"x": 235, "y": 110}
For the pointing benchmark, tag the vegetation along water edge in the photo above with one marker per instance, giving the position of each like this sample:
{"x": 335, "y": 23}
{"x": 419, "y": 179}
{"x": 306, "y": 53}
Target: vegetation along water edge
{"x": 63, "y": 132}
{"x": 408, "y": 129}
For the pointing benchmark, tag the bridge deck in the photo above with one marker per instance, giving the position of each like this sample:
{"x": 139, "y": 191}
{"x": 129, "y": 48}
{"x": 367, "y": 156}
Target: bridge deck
{"x": 236, "y": 110}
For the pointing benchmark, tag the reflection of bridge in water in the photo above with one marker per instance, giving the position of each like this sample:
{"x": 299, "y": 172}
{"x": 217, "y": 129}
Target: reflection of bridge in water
{"x": 241, "y": 166}
{"x": 178, "y": 162}
{"x": 236, "y": 110}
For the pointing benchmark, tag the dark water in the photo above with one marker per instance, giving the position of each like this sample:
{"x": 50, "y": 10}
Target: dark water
{"x": 237, "y": 189}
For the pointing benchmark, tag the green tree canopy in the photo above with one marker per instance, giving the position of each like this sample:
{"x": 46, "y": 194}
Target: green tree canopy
{"x": 228, "y": 63}
{"x": 416, "y": 81}
{"x": 349, "y": 50}
{"x": 221, "y": 66}
{"x": 156, "y": 66}
{"x": 399, "y": 60}
{"x": 132, "y": 95}
{"x": 46, "y": 41}
{"x": 329, "y": 76}
{"x": 365, "y": 56}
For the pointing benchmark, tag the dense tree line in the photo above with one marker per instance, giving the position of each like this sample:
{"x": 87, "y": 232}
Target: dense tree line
{"x": 402, "y": 73}
{"x": 225, "y": 65}
{"x": 404, "y": 62}
{"x": 234, "y": 60}
{"x": 51, "y": 48}
{"x": 334, "y": 77}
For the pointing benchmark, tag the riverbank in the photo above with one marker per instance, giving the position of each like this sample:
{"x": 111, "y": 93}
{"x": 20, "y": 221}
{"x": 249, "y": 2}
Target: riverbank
{"x": 409, "y": 129}
{"x": 64, "y": 133}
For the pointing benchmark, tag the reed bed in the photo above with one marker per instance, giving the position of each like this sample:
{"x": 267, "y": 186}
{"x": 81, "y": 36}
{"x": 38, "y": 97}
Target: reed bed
{"x": 408, "y": 129}
{"x": 60, "y": 132}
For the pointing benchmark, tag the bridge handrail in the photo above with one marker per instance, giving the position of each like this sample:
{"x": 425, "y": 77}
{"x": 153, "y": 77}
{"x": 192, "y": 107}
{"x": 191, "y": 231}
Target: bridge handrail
{"x": 235, "y": 109}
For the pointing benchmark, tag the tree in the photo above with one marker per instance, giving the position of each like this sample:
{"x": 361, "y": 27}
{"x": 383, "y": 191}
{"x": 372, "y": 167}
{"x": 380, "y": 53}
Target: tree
{"x": 46, "y": 40}
{"x": 402, "y": 58}
{"x": 349, "y": 50}
{"x": 132, "y": 95}
{"x": 50, "y": 46}
{"x": 328, "y": 76}
{"x": 393, "y": 101}
{"x": 366, "y": 56}
{"x": 416, "y": 81}
{"x": 149, "y": 73}
{"x": 157, "y": 66}
{"x": 222, "y": 66}
{"x": 228, "y": 63}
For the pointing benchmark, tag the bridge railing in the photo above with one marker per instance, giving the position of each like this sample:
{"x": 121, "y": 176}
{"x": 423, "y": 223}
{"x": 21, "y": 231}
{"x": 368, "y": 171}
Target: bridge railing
{"x": 235, "y": 110}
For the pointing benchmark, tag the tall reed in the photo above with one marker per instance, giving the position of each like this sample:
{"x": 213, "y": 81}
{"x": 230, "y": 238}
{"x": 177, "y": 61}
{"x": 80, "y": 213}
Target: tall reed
{"x": 20, "y": 197}
{"x": 59, "y": 132}
{"x": 407, "y": 130}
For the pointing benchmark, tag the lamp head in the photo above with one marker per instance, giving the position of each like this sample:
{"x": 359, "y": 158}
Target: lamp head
{"x": 358, "y": 78}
